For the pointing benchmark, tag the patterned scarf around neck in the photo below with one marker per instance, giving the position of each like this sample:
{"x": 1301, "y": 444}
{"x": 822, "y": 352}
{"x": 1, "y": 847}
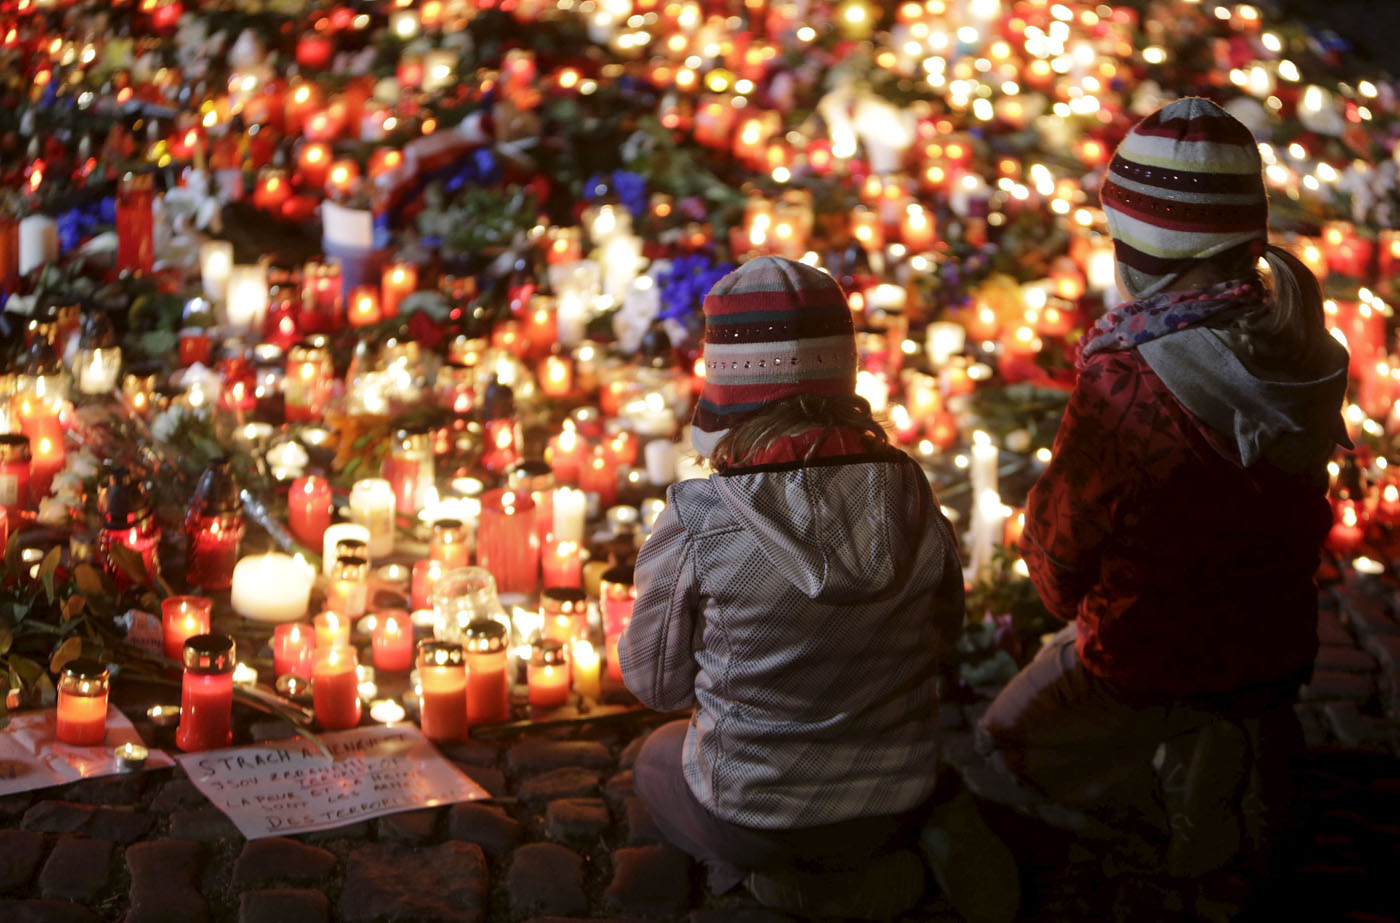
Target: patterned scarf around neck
{"x": 1137, "y": 322}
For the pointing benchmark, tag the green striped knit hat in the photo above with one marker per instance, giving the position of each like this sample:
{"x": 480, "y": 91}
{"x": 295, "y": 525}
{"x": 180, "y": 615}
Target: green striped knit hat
{"x": 1184, "y": 187}
{"x": 774, "y": 328}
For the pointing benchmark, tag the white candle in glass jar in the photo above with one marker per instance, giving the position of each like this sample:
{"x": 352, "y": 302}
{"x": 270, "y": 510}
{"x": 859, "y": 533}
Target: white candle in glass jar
{"x": 983, "y": 470}
{"x": 272, "y": 587}
{"x": 570, "y": 507}
{"x": 661, "y": 461}
{"x": 247, "y": 297}
{"x": 215, "y": 263}
{"x": 372, "y": 506}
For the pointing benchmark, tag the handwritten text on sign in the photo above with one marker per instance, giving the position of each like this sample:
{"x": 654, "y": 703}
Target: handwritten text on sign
{"x": 286, "y": 786}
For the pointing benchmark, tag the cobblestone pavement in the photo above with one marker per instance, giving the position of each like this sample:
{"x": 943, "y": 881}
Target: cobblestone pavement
{"x": 564, "y": 836}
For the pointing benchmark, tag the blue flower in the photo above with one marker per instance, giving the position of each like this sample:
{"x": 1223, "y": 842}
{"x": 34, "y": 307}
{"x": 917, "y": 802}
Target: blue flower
{"x": 685, "y": 285}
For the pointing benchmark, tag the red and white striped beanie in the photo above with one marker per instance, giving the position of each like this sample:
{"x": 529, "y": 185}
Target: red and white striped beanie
{"x": 774, "y": 328}
{"x": 1185, "y": 186}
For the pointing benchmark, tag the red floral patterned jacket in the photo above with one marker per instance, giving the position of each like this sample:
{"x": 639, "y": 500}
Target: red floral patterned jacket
{"x": 1187, "y": 574}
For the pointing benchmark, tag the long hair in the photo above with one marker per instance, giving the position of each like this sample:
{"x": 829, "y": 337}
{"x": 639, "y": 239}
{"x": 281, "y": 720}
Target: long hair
{"x": 797, "y": 414}
{"x": 1287, "y": 331}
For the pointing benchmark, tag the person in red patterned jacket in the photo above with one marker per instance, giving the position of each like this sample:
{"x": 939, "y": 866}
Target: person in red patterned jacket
{"x": 1179, "y": 522}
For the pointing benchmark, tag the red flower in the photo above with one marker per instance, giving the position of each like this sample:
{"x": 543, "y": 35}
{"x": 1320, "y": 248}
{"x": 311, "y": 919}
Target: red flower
{"x": 423, "y": 329}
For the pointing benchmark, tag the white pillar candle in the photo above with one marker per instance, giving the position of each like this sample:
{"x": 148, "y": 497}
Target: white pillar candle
{"x": 372, "y": 506}
{"x": 98, "y": 369}
{"x": 944, "y": 340}
{"x": 334, "y": 535}
{"x": 247, "y": 297}
{"x": 570, "y": 506}
{"x": 272, "y": 587}
{"x": 215, "y": 262}
{"x": 38, "y": 242}
{"x": 983, "y": 470}
{"x": 661, "y": 461}
{"x": 988, "y": 524}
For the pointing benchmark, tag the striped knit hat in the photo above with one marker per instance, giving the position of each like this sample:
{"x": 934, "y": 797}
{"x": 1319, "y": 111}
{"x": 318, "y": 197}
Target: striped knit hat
{"x": 1184, "y": 187}
{"x": 774, "y": 328}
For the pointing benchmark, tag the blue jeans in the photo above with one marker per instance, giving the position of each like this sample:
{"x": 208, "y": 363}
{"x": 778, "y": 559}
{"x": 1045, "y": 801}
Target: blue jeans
{"x": 728, "y": 850}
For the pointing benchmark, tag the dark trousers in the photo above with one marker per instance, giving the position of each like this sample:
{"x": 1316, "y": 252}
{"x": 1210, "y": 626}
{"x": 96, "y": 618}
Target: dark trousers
{"x": 1072, "y": 738}
{"x": 728, "y": 850}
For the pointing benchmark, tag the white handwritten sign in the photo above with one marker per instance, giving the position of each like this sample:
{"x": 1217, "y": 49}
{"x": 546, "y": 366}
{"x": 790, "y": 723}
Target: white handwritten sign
{"x": 286, "y": 786}
{"x": 31, "y": 755}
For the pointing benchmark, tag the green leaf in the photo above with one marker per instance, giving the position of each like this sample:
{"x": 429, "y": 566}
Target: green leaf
{"x": 68, "y": 651}
{"x": 47, "y": 568}
{"x": 89, "y": 580}
{"x": 27, "y": 670}
{"x": 7, "y": 637}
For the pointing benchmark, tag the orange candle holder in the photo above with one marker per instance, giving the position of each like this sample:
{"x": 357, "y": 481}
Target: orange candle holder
{"x": 335, "y": 692}
{"x": 82, "y": 703}
{"x": 442, "y": 677}
{"x": 183, "y": 617}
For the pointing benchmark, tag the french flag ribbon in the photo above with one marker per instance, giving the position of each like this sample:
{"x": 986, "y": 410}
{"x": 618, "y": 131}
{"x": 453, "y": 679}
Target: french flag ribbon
{"x": 438, "y": 156}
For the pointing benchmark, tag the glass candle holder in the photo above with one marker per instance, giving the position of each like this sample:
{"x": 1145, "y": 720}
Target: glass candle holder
{"x": 335, "y": 543}
{"x": 309, "y": 509}
{"x": 507, "y": 543}
{"x": 127, "y": 521}
{"x": 135, "y": 223}
{"x": 392, "y": 646}
{"x": 82, "y": 703}
{"x": 561, "y": 564}
{"x": 214, "y": 528}
{"x": 332, "y": 629}
{"x": 409, "y": 469}
{"x": 335, "y": 693}
{"x": 292, "y": 644}
{"x": 547, "y": 675}
{"x": 372, "y": 506}
{"x": 616, "y": 594}
{"x": 425, "y": 577}
{"x": 442, "y": 703}
{"x": 206, "y": 693}
{"x": 563, "y": 613}
{"x": 463, "y": 596}
{"x": 488, "y": 688}
{"x": 183, "y": 617}
{"x": 536, "y": 479}
{"x": 308, "y": 382}
{"x": 348, "y": 592}
{"x": 14, "y": 475}
{"x": 449, "y": 544}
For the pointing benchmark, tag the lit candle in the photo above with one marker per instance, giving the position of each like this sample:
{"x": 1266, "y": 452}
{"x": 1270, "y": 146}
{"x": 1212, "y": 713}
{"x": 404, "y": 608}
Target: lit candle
{"x": 334, "y": 536}
{"x": 315, "y": 163}
{"x": 398, "y": 281}
{"x": 587, "y": 681}
{"x": 183, "y": 617}
{"x": 547, "y": 674}
{"x": 488, "y": 691}
{"x": 363, "y": 307}
{"x": 272, "y": 587}
{"x": 335, "y": 693}
{"x": 425, "y": 577}
{"x": 557, "y": 376}
{"x": 393, "y": 642}
{"x": 82, "y": 703}
{"x": 348, "y": 592}
{"x": 206, "y": 693}
{"x": 343, "y": 175}
{"x": 1347, "y": 531}
{"x": 1015, "y": 527}
{"x": 599, "y": 477}
{"x": 565, "y": 456}
{"x": 306, "y": 387}
{"x": 247, "y": 297}
{"x": 507, "y": 540}
{"x": 617, "y": 596}
{"x": 442, "y": 677}
{"x": 332, "y": 630}
{"x": 215, "y": 261}
{"x": 292, "y": 644}
{"x": 448, "y": 545}
{"x": 983, "y": 469}
{"x": 561, "y": 564}
{"x": 563, "y": 613}
{"x": 14, "y": 475}
{"x": 309, "y": 509}
{"x": 372, "y": 506}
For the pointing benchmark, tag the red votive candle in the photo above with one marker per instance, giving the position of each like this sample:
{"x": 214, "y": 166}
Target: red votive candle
{"x": 599, "y": 476}
{"x": 393, "y": 642}
{"x": 562, "y": 564}
{"x": 442, "y": 676}
{"x": 292, "y": 644}
{"x": 448, "y": 545}
{"x": 565, "y": 456}
{"x": 183, "y": 617}
{"x": 617, "y": 595}
{"x": 309, "y": 509}
{"x": 564, "y": 612}
{"x": 82, "y": 703}
{"x": 195, "y": 346}
{"x": 507, "y": 543}
{"x": 335, "y": 692}
{"x": 332, "y": 630}
{"x": 488, "y": 689}
{"x": 425, "y": 577}
{"x": 206, "y": 694}
{"x": 14, "y": 475}
{"x": 135, "y": 223}
{"x": 548, "y": 674}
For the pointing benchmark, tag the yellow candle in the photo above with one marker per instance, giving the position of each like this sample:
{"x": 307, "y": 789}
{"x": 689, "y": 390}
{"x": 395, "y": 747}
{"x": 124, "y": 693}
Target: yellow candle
{"x": 332, "y": 630}
{"x": 586, "y": 676}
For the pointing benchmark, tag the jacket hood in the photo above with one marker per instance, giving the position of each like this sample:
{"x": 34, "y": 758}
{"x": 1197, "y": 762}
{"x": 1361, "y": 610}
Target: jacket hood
{"x": 839, "y": 528}
{"x": 1292, "y": 422}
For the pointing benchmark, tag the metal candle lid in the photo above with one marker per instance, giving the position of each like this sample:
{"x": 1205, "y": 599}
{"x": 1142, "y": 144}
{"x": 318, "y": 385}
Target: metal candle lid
{"x": 217, "y": 491}
{"x": 485, "y": 636}
{"x": 549, "y": 652}
{"x": 211, "y": 653}
{"x": 531, "y": 475}
{"x": 351, "y": 548}
{"x": 85, "y": 676}
{"x": 440, "y": 654}
{"x": 122, "y": 501}
{"x": 560, "y": 600}
{"x": 622, "y": 575}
